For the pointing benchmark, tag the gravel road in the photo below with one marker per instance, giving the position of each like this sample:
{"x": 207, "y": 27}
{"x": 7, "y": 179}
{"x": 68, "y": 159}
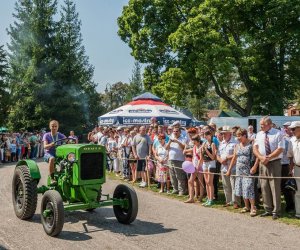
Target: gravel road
{"x": 162, "y": 223}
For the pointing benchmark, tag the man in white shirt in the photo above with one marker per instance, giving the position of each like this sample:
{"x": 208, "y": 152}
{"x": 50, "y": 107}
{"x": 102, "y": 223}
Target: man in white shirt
{"x": 176, "y": 146}
{"x": 294, "y": 154}
{"x": 224, "y": 156}
{"x": 177, "y": 125}
{"x": 268, "y": 148}
{"x": 285, "y": 162}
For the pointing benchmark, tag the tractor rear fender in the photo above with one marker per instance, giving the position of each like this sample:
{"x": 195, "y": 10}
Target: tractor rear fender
{"x": 33, "y": 168}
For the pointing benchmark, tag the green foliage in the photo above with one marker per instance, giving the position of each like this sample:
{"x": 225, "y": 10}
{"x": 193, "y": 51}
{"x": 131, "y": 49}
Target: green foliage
{"x": 136, "y": 82}
{"x": 172, "y": 81}
{"x": 115, "y": 95}
{"x": 246, "y": 50}
{"x": 4, "y": 95}
{"x": 74, "y": 73}
{"x": 50, "y": 76}
{"x": 31, "y": 62}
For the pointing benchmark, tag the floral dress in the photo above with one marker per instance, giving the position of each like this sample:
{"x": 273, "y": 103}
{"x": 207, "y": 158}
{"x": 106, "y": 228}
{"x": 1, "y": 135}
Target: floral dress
{"x": 163, "y": 170}
{"x": 244, "y": 186}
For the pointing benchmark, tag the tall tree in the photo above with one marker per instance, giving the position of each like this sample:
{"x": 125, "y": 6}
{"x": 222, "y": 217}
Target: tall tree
{"x": 247, "y": 50}
{"x": 31, "y": 62}
{"x": 80, "y": 101}
{"x": 4, "y": 95}
{"x": 136, "y": 82}
{"x": 115, "y": 96}
{"x": 51, "y": 77}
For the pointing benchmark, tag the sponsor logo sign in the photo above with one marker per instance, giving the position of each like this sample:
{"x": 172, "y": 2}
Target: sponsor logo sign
{"x": 136, "y": 120}
{"x": 168, "y": 111}
{"x": 140, "y": 110}
{"x": 107, "y": 121}
{"x": 172, "y": 120}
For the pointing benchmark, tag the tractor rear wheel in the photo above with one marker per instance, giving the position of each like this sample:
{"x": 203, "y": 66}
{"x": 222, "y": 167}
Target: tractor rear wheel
{"x": 24, "y": 193}
{"x": 52, "y": 212}
{"x": 126, "y": 215}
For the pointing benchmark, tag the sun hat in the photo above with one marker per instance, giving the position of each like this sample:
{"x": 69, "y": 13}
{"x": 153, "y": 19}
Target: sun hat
{"x": 226, "y": 129}
{"x": 295, "y": 124}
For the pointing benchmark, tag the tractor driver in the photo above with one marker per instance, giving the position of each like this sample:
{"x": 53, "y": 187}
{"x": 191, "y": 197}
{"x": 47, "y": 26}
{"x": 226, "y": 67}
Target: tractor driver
{"x": 49, "y": 146}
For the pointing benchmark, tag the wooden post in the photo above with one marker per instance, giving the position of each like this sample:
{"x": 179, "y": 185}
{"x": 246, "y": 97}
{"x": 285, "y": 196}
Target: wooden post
{"x": 147, "y": 171}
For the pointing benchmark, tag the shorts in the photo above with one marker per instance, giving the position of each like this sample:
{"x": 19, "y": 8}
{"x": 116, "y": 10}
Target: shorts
{"x": 141, "y": 165}
{"x": 47, "y": 156}
{"x": 209, "y": 166}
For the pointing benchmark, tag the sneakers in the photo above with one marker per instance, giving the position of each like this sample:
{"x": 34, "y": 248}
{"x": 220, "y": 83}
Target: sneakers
{"x": 143, "y": 184}
{"x": 174, "y": 192}
{"x": 204, "y": 204}
{"x": 209, "y": 203}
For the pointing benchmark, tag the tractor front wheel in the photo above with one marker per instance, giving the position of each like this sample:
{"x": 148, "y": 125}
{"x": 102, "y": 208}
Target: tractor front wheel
{"x": 24, "y": 193}
{"x": 126, "y": 214}
{"x": 52, "y": 212}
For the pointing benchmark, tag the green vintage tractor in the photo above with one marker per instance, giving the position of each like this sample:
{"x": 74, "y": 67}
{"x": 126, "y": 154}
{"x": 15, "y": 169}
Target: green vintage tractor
{"x": 80, "y": 174}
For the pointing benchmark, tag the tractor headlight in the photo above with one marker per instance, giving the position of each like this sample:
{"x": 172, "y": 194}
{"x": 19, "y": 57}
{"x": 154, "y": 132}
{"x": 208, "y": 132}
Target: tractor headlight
{"x": 71, "y": 157}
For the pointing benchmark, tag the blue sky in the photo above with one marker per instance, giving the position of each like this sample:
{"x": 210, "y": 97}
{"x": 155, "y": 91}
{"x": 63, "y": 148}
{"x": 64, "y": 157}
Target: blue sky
{"x": 107, "y": 53}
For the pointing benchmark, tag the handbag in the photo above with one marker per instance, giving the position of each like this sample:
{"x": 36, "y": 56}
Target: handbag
{"x": 150, "y": 165}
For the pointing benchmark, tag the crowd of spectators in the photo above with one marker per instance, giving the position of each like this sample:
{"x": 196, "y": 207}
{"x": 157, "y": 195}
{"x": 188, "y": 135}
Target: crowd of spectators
{"x": 24, "y": 145}
{"x": 235, "y": 156}
{"x": 250, "y": 166}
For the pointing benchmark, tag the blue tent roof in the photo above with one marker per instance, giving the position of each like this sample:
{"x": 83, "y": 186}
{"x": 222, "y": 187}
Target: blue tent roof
{"x": 147, "y": 95}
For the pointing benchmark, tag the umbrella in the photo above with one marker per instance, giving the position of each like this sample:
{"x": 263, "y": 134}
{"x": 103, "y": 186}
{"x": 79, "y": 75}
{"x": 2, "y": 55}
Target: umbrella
{"x": 140, "y": 111}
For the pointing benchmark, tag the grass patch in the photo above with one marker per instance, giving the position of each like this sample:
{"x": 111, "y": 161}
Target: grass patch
{"x": 285, "y": 218}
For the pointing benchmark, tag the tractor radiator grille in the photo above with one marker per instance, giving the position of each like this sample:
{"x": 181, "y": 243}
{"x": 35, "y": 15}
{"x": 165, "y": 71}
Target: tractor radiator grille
{"x": 91, "y": 166}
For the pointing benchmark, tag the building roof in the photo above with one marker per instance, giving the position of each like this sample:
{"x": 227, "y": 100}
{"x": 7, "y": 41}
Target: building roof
{"x": 222, "y": 113}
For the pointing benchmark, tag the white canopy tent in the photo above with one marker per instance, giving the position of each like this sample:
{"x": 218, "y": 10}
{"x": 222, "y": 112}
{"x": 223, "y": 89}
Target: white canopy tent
{"x": 140, "y": 111}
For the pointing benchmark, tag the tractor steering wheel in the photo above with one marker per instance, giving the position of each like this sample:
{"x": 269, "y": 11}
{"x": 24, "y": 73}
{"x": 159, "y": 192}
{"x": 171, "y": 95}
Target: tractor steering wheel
{"x": 63, "y": 139}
